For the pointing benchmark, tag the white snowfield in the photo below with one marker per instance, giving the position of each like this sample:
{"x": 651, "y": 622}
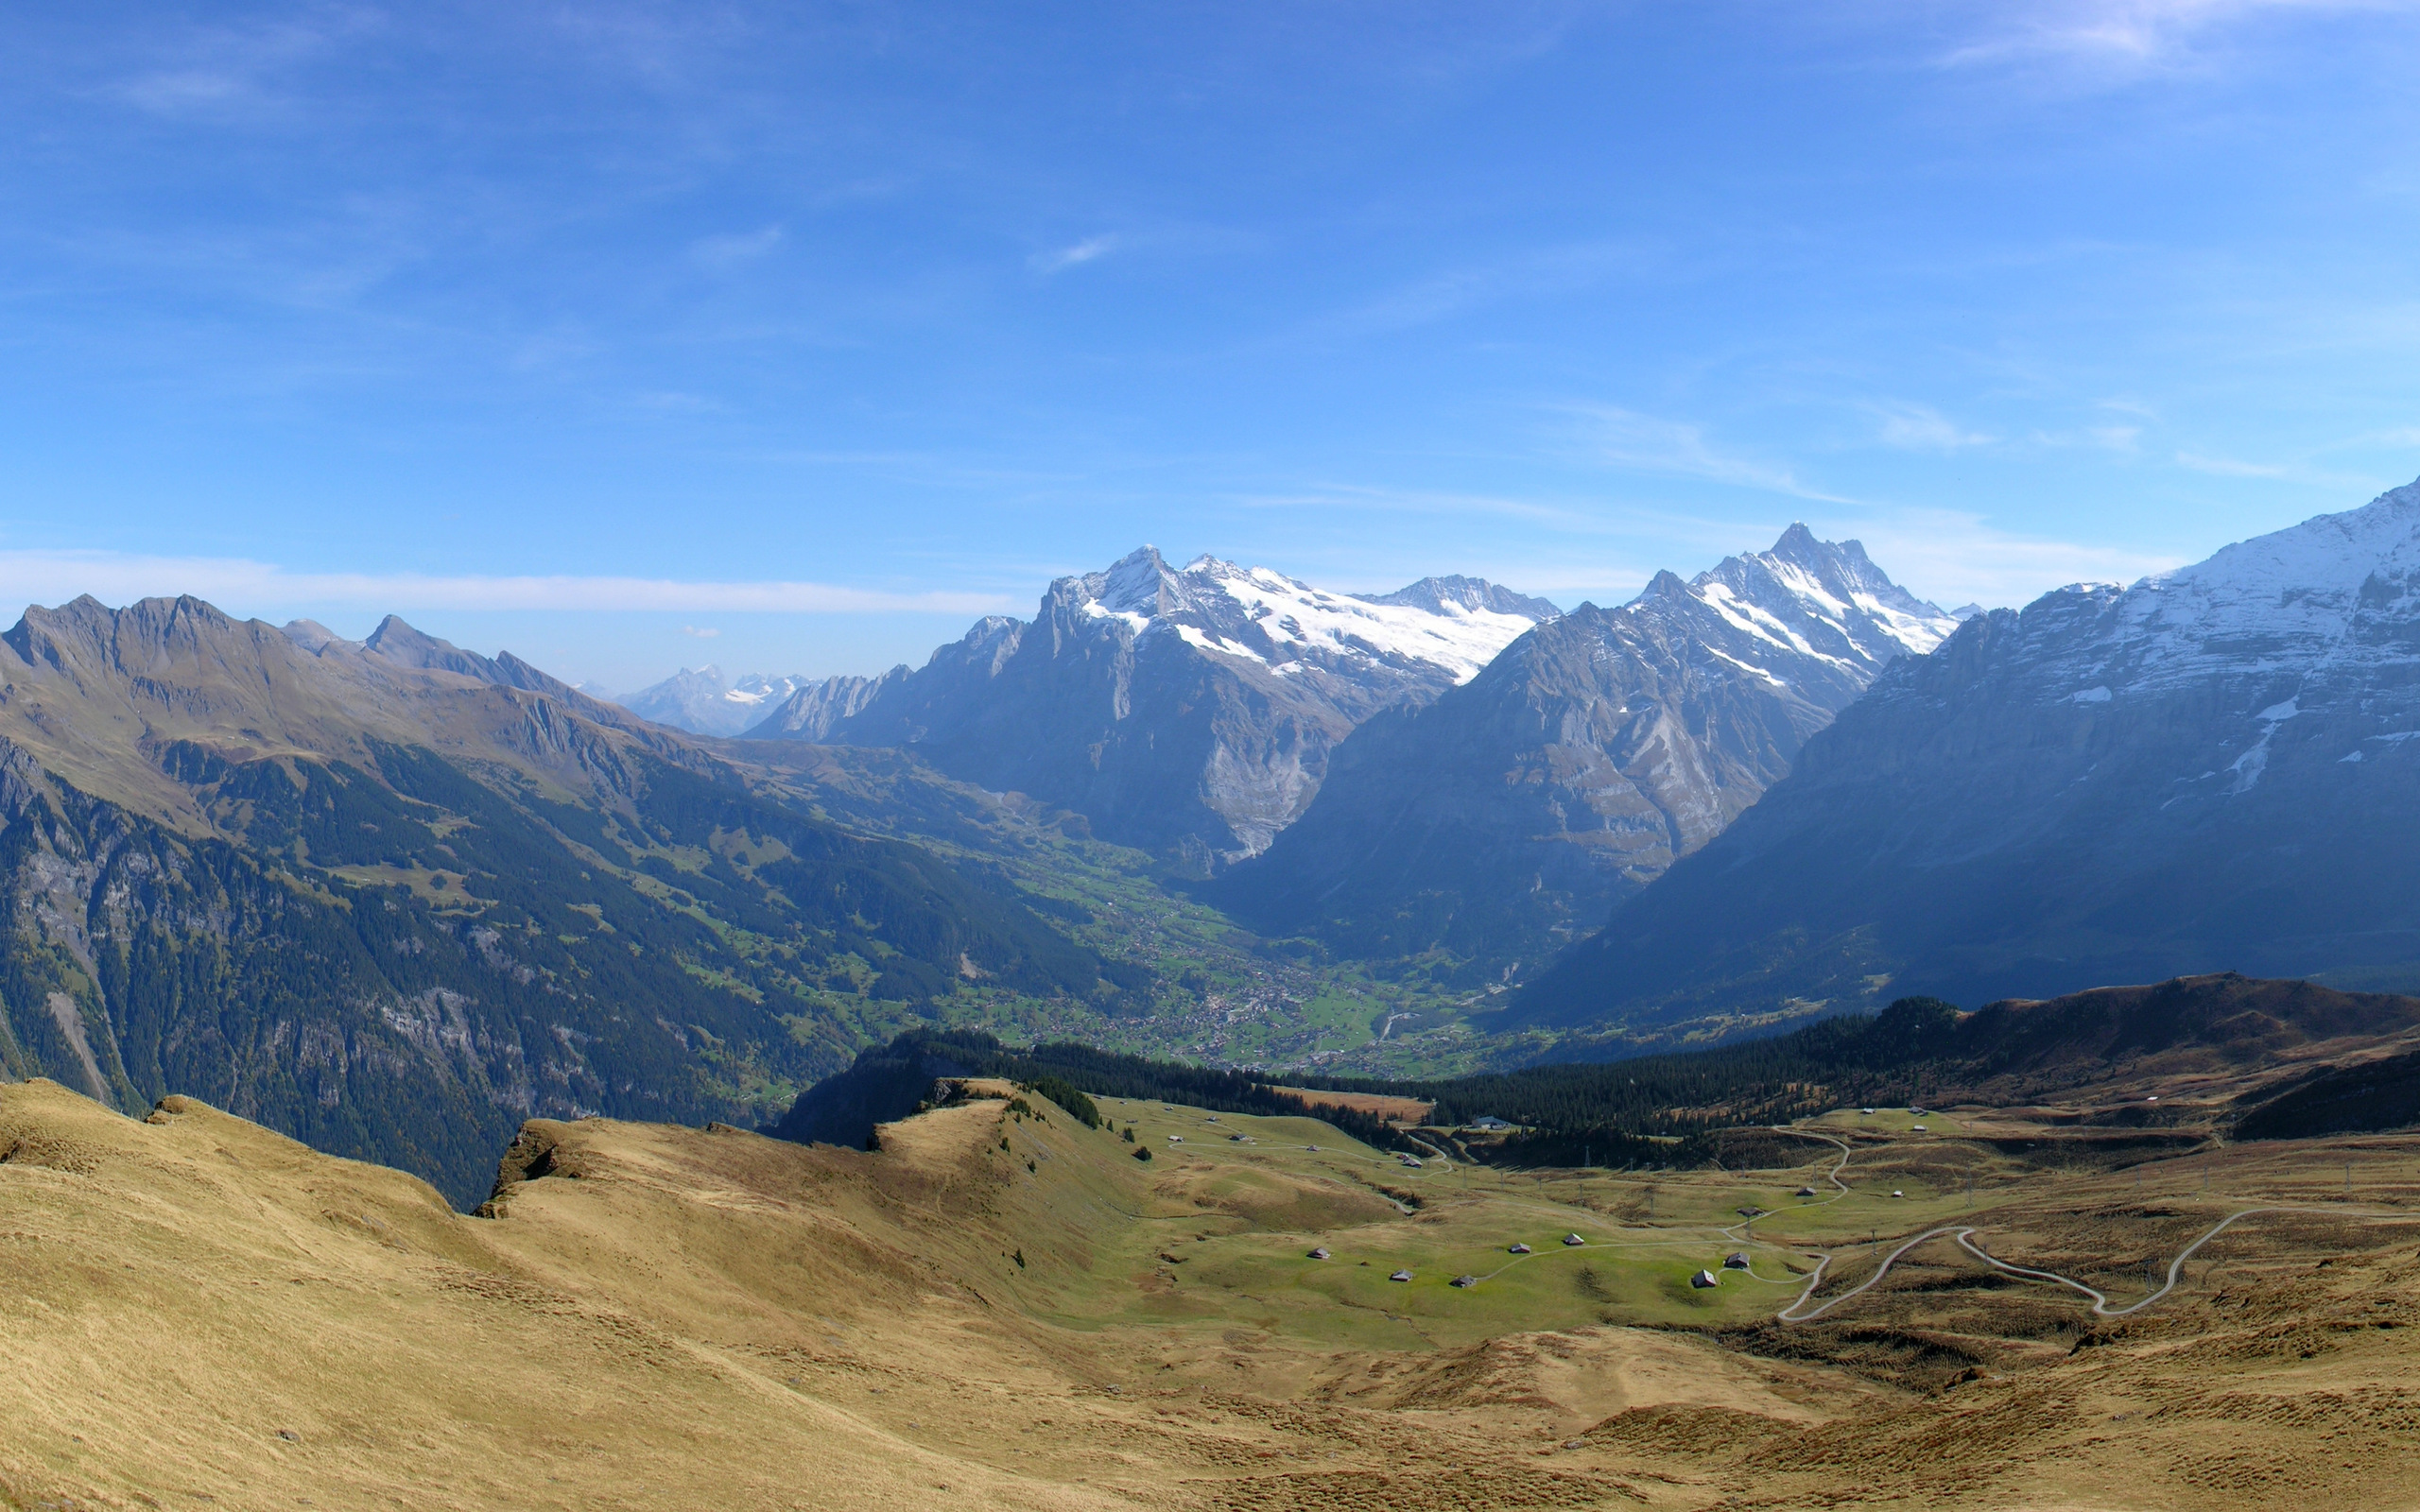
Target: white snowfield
{"x": 1259, "y": 615}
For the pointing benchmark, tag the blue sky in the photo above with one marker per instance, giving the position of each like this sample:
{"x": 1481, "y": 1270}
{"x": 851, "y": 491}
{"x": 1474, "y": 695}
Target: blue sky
{"x": 589, "y": 329}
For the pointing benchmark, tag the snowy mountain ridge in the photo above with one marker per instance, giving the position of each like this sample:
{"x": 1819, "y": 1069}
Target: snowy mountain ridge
{"x": 1186, "y": 710}
{"x": 2329, "y": 600}
{"x": 1264, "y": 616}
{"x": 2337, "y": 589}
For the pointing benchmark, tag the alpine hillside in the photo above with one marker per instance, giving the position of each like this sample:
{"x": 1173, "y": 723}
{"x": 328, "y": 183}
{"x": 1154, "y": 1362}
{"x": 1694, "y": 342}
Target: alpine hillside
{"x": 2218, "y": 768}
{"x": 1511, "y": 812}
{"x": 1185, "y": 710}
{"x": 391, "y": 897}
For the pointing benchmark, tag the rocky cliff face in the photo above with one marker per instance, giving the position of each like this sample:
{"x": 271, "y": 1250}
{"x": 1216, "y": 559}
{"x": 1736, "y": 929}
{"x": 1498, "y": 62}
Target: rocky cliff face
{"x": 1593, "y": 752}
{"x": 2218, "y": 768}
{"x": 1187, "y": 711}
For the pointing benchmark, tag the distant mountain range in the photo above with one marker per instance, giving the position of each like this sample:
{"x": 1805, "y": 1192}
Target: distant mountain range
{"x": 702, "y": 701}
{"x": 1187, "y": 711}
{"x": 2217, "y": 769}
{"x": 1516, "y": 808}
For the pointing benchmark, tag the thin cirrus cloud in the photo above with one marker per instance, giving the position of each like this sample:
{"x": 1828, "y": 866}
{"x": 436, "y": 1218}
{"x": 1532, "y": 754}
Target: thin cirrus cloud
{"x": 722, "y": 254}
{"x": 1954, "y": 558}
{"x": 1364, "y": 497}
{"x": 2228, "y": 467}
{"x": 246, "y": 586}
{"x": 1092, "y": 248}
{"x": 1922, "y": 428}
{"x": 1627, "y": 438}
{"x": 2124, "y": 33}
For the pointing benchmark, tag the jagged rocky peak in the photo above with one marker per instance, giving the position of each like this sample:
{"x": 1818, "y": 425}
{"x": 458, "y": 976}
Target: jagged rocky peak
{"x": 993, "y": 639}
{"x": 150, "y": 628}
{"x": 1187, "y": 708}
{"x": 1815, "y": 598}
{"x": 400, "y": 643}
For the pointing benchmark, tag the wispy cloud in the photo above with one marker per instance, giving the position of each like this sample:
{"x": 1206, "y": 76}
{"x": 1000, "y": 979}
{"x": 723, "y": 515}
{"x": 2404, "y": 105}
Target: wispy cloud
{"x": 1090, "y": 249}
{"x": 2228, "y": 467}
{"x": 722, "y": 254}
{"x": 1627, "y": 438}
{"x": 1548, "y": 271}
{"x": 2127, "y": 34}
{"x": 1954, "y": 557}
{"x": 1383, "y": 500}
{"x": 253, "y": 586}
{"x": 1922, "y": 428}
{"x": 2125, "y": 440}
{"x": 700, "y": 632}
{"x": 229, "y": 73}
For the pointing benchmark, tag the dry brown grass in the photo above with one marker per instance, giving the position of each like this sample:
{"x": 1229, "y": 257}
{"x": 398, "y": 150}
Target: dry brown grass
{"x": 198, "y": 1313}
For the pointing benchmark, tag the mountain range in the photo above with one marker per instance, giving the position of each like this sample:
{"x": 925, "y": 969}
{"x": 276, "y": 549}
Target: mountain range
{"x": 392, "y": 897}
{"x": 1516, "y": 808}
{"x": 2215, "y": 769}
{"x": 1188, "y": 712}
{"x": 702, "y": 701}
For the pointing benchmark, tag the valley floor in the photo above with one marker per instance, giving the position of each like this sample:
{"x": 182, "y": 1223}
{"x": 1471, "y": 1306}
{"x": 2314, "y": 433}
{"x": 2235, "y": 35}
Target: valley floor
{"x": 1013, "y": 1311}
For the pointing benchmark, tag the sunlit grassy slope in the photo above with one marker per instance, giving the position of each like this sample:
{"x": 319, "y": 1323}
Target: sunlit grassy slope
{"x": 1007, "y": 1309}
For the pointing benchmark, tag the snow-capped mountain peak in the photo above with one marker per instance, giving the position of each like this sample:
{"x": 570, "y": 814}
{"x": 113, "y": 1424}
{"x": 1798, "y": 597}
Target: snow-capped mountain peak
{"x": 1806, "y": 597}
